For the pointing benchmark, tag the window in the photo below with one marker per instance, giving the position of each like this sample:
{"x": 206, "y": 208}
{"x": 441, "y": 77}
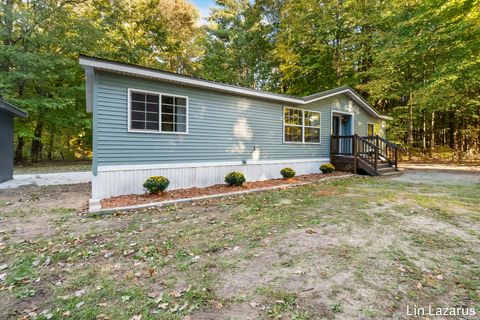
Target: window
{"x": 144, "y": 111}
{"x": 155, "y": 112}
{"x": 301, "y": 126}
{"x": 370, "y": 129}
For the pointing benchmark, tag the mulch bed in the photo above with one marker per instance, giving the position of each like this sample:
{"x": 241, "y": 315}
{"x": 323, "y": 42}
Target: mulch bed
{"x": 136, "y": 199}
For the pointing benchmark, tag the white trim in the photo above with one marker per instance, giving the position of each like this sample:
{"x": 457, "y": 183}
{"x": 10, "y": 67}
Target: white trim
{"x": 286, "y": 161}
{"x": 160, "y": 94}
{"x": 352, "y": 95}
{"x": 301, "y": 126}
{"x": 138, "y": 71}
{"x": 127, "y": 167}
{"x": 155, "y": 74}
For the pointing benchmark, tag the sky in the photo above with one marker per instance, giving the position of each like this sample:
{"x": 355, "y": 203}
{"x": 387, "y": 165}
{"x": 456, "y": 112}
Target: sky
{"x": 204, "y": 7}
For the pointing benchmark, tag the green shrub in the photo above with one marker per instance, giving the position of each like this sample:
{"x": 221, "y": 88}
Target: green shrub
{"x": 288, "y": 173}
{"x": 235, "y": 179}
{"x": 327, "y": 168}
{"x": 156, "y": 184}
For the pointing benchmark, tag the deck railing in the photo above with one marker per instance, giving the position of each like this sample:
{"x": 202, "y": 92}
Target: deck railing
{"x": 369, "y": 149}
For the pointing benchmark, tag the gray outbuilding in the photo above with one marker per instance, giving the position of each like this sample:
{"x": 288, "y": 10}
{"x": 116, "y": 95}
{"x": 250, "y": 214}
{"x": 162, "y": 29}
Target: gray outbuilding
{"x": 7, "y": 112}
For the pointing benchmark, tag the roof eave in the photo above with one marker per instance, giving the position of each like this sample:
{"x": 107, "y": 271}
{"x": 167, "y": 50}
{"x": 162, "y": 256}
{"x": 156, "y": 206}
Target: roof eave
{"x": 10, "y": 108}
{"x": 122, "y": 68}
{"x": 170, "y": 77}
{"x": 352, "y": 94}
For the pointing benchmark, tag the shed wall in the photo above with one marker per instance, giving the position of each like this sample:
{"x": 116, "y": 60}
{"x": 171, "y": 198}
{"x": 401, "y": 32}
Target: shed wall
{"x": 6, "y": 146}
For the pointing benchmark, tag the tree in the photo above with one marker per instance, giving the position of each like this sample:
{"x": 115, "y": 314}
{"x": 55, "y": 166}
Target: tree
{"x": 238, "y": 45}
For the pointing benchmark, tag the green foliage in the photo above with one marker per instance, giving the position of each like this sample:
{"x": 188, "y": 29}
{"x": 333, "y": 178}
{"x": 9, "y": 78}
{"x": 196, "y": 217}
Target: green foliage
{"x": 238, "y": 45}
{"x": 156, "y": 184}
{"x": 327, "y": 168}
{"x": 417, "y": 61}
{"x": 235, "y": 179}
{"x": 288, "y": 173}
{"x": 39, "y": 45}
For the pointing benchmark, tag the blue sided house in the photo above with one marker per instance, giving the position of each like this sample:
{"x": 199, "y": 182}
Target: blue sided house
{"x": 148, "y": 122}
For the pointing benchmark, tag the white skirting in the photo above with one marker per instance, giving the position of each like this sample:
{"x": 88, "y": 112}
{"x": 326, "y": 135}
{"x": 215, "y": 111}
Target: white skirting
{"x": 119, "y": 180}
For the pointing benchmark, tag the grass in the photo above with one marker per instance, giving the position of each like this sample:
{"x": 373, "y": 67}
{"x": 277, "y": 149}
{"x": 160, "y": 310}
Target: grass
{"x": 53, "y": 166}
{"x": 346, "y": 249}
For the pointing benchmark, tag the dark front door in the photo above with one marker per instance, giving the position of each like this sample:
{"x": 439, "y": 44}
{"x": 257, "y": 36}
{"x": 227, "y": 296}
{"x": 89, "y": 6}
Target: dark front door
{"x": 336, "y": 125}
{"x": 336, "y": 131}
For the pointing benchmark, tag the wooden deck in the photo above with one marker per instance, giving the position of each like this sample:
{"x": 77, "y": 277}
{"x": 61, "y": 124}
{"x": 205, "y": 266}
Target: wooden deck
{"x": 372, "y": 155}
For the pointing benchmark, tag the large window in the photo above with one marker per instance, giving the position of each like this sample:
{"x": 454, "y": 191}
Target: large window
{"x": 301, "y": 126}
{"x": 155, "y": 112}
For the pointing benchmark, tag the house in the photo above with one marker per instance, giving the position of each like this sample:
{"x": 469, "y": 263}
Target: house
{"x": 148, "y": 122}
{"x": 7, "y": 112}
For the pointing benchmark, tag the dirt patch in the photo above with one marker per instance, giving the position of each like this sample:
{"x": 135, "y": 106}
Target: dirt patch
{"x": 356, "y": 248}
{"x": 130, "y": 200}
{"x": 40, "y": 198}
{"x": 449, "y": 177}
{"x": 29, "y": 212}
{"x": 20, "y": 229}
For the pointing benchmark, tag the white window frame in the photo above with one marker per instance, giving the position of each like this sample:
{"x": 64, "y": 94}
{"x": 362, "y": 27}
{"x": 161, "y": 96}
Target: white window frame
{"x": 160, "y": 94}
{"x": 303, "y": 126}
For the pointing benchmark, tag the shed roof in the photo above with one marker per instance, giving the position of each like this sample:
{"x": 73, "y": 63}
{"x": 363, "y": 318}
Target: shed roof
{"x": 10, "y": 108}
{"x": 140, "y": 71}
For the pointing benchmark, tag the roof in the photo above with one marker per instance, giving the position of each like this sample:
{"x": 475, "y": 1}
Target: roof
{"x": 10, "y": 108}
{"x": 140, "y": 71}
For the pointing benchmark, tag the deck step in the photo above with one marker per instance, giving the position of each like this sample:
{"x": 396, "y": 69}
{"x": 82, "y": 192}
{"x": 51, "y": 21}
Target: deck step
{"x": 391, "y": 173}
{"x": 385, "y": 170}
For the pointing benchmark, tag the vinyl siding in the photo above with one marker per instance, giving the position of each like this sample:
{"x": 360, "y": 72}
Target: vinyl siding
{"x": 221, "y": 127}
{"x": 6, "y": 146}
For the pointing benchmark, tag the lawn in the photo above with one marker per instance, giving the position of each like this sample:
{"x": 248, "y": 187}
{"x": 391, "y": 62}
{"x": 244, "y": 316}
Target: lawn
{"x": 53, "y": 166}
{"x": 347, "y": 249}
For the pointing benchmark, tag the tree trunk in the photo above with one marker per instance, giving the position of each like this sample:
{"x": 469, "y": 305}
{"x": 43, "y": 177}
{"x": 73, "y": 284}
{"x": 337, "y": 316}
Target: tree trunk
{"x": 432, "y": 134}
{"x": 455, "y": 138}
{"x": 410, "y": 126}
{"x": 424, "y": 136}
{"x": 8, "y": 20}
{"x": 50, "y": 147}
{"x": 36, "y": 143}
{"x": 19, "y": 150}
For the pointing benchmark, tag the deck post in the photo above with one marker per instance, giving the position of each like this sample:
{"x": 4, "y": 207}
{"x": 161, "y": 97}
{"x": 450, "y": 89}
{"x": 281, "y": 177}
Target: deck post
{"x": 331, "y": 148}
{"x": 354, "y": 153}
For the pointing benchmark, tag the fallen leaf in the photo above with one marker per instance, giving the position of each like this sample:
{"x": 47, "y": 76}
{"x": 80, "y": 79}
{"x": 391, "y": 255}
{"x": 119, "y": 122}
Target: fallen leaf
{"x": 310, "y": 231}
{"x": 78, "y": 305}
{"x": 163, "y": 306}
{"x": 159, "y": 298}
{"x": 419, "y": 285}
{"x": 439, "y": 277}
{"x": 80, "y": 293}
{"x": 151, "y": 272}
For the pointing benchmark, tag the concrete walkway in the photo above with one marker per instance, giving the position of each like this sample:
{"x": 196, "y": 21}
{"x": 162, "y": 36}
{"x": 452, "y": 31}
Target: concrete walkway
{"x": 47, "y": 179}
